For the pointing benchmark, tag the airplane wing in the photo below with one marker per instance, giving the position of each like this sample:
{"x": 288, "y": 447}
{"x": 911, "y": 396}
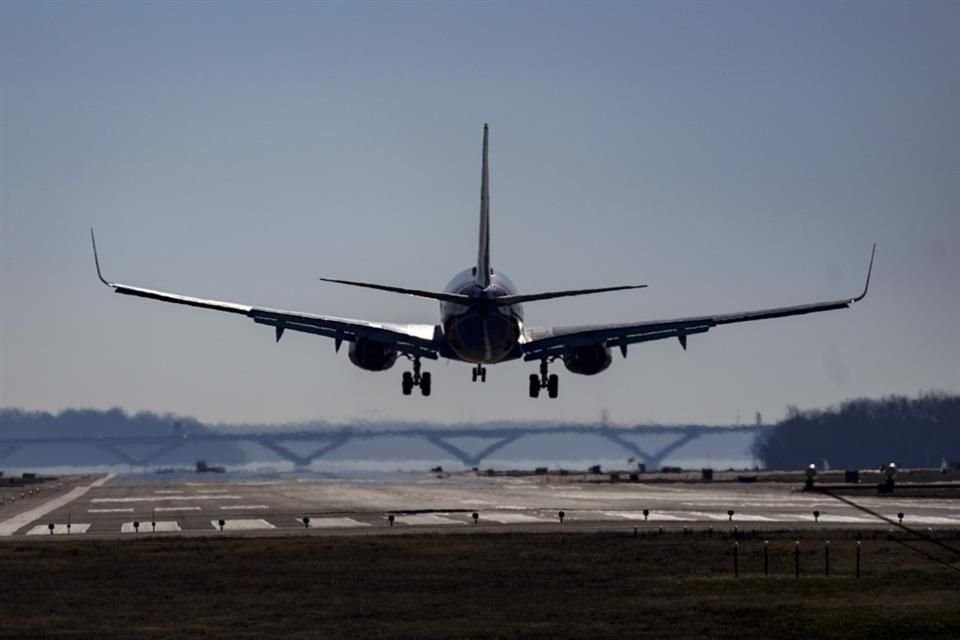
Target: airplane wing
{"x": 551, "y": 342}
{"x": 412, "y": 339}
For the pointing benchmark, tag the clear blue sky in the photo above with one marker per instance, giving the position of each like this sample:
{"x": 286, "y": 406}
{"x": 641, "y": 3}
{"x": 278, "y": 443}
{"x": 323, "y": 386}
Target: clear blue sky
{"x": 732, "y": 155}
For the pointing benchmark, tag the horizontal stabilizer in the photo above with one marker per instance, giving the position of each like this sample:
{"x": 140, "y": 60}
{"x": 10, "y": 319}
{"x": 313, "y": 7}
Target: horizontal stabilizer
{"x": 443, "y": 296}
{"x": 549, "y": 295}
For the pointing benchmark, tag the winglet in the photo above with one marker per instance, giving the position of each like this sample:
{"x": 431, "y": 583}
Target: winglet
{"x": 96, "y": 260}
{"x": 866, "y": 285}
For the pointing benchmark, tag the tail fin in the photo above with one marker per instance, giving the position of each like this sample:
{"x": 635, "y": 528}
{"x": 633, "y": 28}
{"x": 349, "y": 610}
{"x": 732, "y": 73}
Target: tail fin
{"x": 481, "y": 275}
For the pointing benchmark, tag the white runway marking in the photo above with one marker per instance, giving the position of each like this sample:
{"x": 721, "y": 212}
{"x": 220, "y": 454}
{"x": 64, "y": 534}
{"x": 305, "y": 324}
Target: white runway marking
{"x": 909, "y": 520}
{"x": 9, "y": 527}
{"x": 127, "y": 510}
{"x": 58, "y": 529}
{"x": 212, "y": 491}
{"x": 244, "y": 506}
{"x": 752, "y": 517}
{"x": 165, "y": 498}
{"x": 512, "y": 518}
{"x": 655, "y": 516}
{"x": 163, "y": 526}
{"x": 835, "y": 519}
{"x": 704, "y": 515}
{"x": 321, "y": 523}
{"x": 427, "y": 519}
{"x": 177, "y": 509}
{"x": 168, "y": 491}
{"x": 242, "y": 525}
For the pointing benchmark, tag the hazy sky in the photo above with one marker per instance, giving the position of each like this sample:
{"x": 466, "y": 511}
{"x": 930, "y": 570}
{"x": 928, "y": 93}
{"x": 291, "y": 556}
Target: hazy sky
{"x": 733, "y": 155}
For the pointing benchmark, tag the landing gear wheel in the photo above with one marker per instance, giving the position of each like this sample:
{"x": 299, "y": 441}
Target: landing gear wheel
{"x": 553, "y": 385}
{"x": 407, "y": 384}
{"x": 534, "y": 385}
{"x": 425, "y": 383}
{"x": 479, "y": 373}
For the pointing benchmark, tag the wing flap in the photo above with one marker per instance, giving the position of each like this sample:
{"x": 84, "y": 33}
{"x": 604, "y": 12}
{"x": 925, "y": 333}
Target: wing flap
{"x": 550, "y": 342}
{"x": 413, "y": 339}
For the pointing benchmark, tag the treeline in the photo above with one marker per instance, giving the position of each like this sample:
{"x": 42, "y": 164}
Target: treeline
{"x": 16, "y": 423}
{"x": 913, "y": 432}
{"x": 92, "y": 423}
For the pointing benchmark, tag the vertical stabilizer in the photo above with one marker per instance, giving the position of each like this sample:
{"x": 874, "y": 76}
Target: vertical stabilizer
{"x": 481, "y": 274}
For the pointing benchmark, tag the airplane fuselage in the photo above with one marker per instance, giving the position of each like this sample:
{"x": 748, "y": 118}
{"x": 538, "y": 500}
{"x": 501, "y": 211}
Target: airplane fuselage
{"x": 480, "y": 331}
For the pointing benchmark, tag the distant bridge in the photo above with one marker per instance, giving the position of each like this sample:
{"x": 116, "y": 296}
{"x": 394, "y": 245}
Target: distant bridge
{"x": 319, "y": 443}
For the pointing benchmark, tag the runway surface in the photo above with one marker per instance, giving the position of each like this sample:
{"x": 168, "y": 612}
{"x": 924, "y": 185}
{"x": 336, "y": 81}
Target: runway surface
{"x": 123, "y": 506}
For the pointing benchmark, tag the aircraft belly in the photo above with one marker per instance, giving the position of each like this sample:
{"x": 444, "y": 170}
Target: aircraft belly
{"x": 485, "y": 338}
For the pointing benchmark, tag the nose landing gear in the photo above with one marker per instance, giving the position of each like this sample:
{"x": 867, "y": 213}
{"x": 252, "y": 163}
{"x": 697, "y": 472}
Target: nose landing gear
{"x": 479, "y": 373}
{"x": 416, "y": 379}
{"x": 544, "y": 381}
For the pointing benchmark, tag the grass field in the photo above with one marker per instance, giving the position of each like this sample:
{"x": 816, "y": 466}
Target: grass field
{"x": 550, "y": 585}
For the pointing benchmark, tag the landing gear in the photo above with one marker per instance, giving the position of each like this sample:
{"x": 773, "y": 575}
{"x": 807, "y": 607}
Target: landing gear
{"x": 479, "y": 373}
{"x": 416, "y": 379}
{"x": 550, "y": 382}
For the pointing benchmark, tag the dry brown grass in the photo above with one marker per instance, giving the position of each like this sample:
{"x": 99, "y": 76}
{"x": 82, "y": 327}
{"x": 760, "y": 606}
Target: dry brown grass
{"x": 556, "y": 585}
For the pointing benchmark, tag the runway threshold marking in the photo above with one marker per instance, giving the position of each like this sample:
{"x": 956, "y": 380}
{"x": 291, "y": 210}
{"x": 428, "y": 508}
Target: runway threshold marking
{"x": 243, "y": 506}
{"x": 58, "y": 529}
{"x": 654, "y": 516}
{"x": 12, "y": 525}
{"x": 326, "y": 523}
{"x": 163, "y": 526}
{"x": 242, "y": 525}
{"x": 158, "y": 509}
{"x": 121, "y": 510}
{"x": 165, "y": 498}
{"x": 427, "y": 519}
{"x": 512, "y": 518}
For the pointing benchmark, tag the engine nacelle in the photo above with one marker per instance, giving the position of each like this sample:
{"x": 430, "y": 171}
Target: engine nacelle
{"x": 372, "y": 355}
{"x": 587, "y": 361}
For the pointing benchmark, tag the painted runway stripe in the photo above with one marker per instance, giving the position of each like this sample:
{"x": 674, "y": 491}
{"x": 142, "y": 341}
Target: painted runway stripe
{"x": 655, "y": 516}
{"x": 127, "y": 510}
{"x": 242, "y": 525}
{"x": 168, "y": 491}
{"x": 427, "y": 519}
{"x": 323, "y": 523}
{"x": 512, "y": 518}
{"x": 9, "y": 527}
{"x": 163, "y": 526}
{"x": 158, "y": 509}
{"x": 164, "y": 498}
{"x": 838, "y": 519}
{"x": 909, "y": 519}
{"x": 243, "y": 506}
{"x": 58, "y": 529}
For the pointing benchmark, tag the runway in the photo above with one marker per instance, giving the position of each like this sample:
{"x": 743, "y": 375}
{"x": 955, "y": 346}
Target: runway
{"x": 124, "y": 506}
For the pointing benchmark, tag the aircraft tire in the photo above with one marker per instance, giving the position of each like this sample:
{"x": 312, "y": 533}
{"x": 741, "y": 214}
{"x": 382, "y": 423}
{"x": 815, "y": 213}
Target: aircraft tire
{"x": 553, "y": 385}
{"x": 425, "y": 380}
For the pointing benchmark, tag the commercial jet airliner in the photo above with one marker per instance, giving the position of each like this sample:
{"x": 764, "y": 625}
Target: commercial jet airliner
{"x": 481, "y": 322}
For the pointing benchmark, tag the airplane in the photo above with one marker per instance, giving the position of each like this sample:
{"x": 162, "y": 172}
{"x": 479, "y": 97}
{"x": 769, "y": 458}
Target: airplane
{"x": 481, "y": 321}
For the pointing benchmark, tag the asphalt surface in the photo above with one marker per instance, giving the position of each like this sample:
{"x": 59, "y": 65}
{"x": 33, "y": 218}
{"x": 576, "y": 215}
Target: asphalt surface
{"x": 109, "y": 506}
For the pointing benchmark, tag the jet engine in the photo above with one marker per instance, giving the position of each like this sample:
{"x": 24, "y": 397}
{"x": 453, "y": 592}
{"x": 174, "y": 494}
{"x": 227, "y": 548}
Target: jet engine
{"x": 587, "y": 361}
{"x": 372, "y": 355}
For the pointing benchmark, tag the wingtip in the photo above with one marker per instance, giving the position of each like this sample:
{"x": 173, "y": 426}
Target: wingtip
{"x": 96, "y": 258}
{"x": 866, "y": 285}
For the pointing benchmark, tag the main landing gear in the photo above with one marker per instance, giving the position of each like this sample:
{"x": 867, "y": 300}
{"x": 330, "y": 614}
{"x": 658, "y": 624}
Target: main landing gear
{"x": 549, "y": 382}
{"x": 479, "y": 373}
{"x": 416, "y": 379}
